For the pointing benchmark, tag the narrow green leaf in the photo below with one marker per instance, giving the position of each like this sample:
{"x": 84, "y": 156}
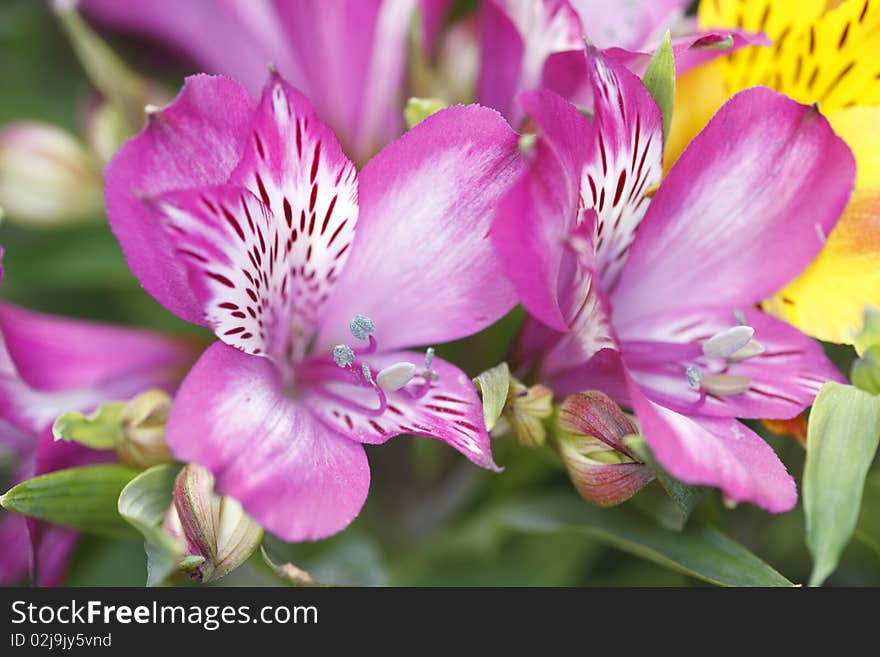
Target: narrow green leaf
{"x": 699, "y": 551}
{"x": 98, "y": 430}
{"x": 83, "y": 498}
{"x": 493, "y": 384}
{"x": 144, "y": 503}
{"x": 841, "y": 442}
{"x": 684, "y": 496}
{"x": 659, "y": 79}
{"x": 419, "y": 109}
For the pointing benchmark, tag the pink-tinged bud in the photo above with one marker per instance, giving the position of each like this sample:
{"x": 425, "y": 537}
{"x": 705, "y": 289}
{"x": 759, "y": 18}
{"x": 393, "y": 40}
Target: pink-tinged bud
{"x": 46, "y": 176}
{"x": 218, "y": 534}
{"x": 526, "y": 411}
{"x": 591, "y": 432}
{"x": 141, "y": 442}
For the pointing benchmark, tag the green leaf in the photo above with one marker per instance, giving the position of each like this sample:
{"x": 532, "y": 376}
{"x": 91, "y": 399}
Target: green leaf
{"x": 684, "y": 496}
{"x": 98, "y": 430}
{"x": 865, "y": 371}
{"x": 419, "y": 109}
{"x": 493, "y": 384}
{"x": 699, "y": 551}
{"x": 659, "y": 79}
{"x": 841, "y": 442}
{"x": 83, "y": 498}
{"x": 144, "y": 503}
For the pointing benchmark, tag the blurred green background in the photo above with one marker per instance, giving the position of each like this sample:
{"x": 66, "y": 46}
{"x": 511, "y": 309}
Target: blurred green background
{"x": 431, "y": 518}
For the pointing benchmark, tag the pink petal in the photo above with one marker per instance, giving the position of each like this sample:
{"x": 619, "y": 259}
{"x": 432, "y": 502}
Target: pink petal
{"x": 541, "y": 208}
{"x": 603, "y": 371}
{"x": 690, "y": 50}
{"x": 293, "y": 475}
{"x": 236, "y": 253}
{"x": 515, "y": 40}
{"x": 230, "y": 37}
{"x": 743, "y": 211}
{"x": 451, "y": 411}
{"x": 350, "y": 58}
{"x": 501, "y": 54}
{"x": 785, "y": 379}
{"x": 195, "y": 141}
{"x": 627, "y": 161}
{"x": 628, "y": 24}
{"x": 422, "y": 267}
{"x": 14, "y": 557}
{"x": 434, "y": 15}
{"x": 717, "y": 452}
{"x": 55, "y": 546}
{"x": 55, "y": 353}
{"x": 263, "y": 260}
{"x": 566, "y": 72}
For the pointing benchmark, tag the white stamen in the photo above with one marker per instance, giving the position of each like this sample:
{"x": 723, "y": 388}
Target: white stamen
{"x": 725, "y": 385}
{"x": 343, "y": 355}
{"x": 429, "y": 357}
{"x": 368, "y": 375}
{"x": 753, "y": 348}
{"x": 361, "y": 327}
{"x": 740, "y": 317}
{"x": 394, "y": 377}
{"x": 729, "y": 341}
{"x": 693, "y": 377}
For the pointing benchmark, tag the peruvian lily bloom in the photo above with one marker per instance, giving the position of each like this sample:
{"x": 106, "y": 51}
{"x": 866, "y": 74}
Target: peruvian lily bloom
{"x": 825, "y": 53}
{"x": 531, "y": 44}
{"x": 49, "y": 366}
{"x": 347, "y": 56}
{"x": 650, "y": 297}
{"x": 247, "y": 218}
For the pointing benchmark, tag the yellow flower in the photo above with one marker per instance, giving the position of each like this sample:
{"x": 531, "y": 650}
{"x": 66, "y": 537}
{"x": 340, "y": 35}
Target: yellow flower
{"x": 825, "y": 52}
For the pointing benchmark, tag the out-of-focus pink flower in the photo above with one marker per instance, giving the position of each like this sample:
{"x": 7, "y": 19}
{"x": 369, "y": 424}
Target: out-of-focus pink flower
{"x": 651, "y": 297}
{"x": 48, "y": 366}
{"x": 347, "y": 56}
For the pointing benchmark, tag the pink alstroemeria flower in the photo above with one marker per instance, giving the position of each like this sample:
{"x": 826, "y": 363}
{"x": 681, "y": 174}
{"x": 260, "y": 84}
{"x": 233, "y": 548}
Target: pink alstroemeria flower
{"x": 653, "y": 300}
{"x": 49, "y": 366}
{"x": 532, "y": 44}
{"x": 347, "y": 56}
{"x": 249, "y": 219}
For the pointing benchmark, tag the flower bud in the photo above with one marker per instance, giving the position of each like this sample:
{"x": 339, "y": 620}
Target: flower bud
{"x": 526, "y": 410}
{"x": 218, "y": 534}
{"x": 141, "y": 441}
{"x": 46, "y": 176}
{"x": 591, "y": 432}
